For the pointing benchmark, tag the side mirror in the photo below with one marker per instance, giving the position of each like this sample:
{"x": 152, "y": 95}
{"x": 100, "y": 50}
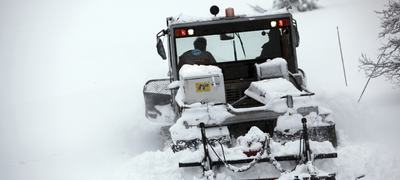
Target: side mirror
{"x": 296, "y": 37}
{"x": 224, "y": 37}
{"x": 296, "y": 34}
{"x": 160, "y": 49}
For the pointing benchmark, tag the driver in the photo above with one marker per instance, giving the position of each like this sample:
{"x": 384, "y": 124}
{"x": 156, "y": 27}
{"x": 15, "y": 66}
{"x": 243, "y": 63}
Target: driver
{"x": 198, "y": 55}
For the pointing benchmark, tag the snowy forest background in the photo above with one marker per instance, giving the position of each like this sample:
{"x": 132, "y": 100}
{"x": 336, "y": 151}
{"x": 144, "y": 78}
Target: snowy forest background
{"x": 72, "y": 74}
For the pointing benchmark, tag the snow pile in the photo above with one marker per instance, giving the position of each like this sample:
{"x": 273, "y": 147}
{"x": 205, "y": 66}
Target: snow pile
{"x": 375, "y": 161}
{"x": 204, "y": 113}
{"x": 252, "y": 141}
{"x": 290, "y": 123}
{"x": 371, "y": 160}
{"x": 302, "y": 171}
{"x": 152, "y": 165}
{"x": 186, "y": 127}
{"x": 292, "y": 148}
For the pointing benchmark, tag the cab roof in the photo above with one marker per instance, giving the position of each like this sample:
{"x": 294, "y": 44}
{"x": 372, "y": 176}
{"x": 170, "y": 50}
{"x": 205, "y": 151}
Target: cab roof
{"x": 185, "y": 21}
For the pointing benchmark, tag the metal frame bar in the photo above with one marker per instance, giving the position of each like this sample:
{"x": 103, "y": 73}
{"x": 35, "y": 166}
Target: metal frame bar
{"x": 278, "y": 158}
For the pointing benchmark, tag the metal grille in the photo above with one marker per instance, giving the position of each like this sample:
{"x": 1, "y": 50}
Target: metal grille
{"x": 157, "y": 86}
{"x": 233, "y": 95}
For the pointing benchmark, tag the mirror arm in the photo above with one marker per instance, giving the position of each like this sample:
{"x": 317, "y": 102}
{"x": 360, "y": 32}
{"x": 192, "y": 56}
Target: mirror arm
{"x": 161, "y": 33}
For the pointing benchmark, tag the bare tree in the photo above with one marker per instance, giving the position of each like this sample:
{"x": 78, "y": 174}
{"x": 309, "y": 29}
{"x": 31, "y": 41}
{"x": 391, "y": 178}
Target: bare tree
{"x": 387, "y": 63}
{"x": 299, "y": 5}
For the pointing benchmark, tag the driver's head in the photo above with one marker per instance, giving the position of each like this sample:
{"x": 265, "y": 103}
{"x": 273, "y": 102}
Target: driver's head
{"x": 200, "y": 43}
{"x": 274, "y": 35}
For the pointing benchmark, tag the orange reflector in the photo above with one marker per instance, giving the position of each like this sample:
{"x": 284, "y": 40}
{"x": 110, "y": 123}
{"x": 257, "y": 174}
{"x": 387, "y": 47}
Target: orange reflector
{"x": 229, "y": 12}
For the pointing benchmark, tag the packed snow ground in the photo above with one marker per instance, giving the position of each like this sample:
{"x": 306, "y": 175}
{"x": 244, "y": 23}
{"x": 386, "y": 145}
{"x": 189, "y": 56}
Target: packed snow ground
{"x": 72, "y": 74}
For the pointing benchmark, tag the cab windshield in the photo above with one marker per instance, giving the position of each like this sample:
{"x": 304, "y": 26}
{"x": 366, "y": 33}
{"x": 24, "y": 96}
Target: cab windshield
{"x": 236, "y": 46}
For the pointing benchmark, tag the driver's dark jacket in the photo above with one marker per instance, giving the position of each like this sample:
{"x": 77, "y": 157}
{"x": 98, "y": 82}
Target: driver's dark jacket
{"x": 270, "y": 51}
{"x": 196, "y": 56}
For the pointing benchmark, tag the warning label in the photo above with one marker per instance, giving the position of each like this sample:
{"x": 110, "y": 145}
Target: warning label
{"x": 203, "y": 87}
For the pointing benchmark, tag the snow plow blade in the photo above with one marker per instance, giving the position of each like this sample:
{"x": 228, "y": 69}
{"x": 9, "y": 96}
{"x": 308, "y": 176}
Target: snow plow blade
{"x": 329, "y": 177}
{"x": 278, "y": 158}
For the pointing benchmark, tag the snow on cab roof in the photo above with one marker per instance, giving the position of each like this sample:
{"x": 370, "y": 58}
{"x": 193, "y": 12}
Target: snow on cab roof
{"x": 190, "y": 19}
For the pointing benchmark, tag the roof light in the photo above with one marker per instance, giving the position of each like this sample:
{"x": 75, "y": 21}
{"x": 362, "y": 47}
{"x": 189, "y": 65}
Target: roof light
{"x": 273, "y": 23}
{"x": 229, "y": 12}
{"x": 190, "y": 32}
{"x": 181, "y": 32}
{"x": 280, "y": 23}
{"x": 283, "y": 22}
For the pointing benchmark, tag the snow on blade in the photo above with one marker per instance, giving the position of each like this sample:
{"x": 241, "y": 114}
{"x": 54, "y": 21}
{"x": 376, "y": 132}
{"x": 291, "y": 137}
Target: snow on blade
{"x": 186, "y": 128}
{"x": 252, "y": 140}
{"x": 290, "y": 123}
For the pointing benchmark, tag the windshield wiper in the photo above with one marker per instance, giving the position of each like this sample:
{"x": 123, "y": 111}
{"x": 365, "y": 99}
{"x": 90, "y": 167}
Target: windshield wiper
{"x": 241, "y": 43}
